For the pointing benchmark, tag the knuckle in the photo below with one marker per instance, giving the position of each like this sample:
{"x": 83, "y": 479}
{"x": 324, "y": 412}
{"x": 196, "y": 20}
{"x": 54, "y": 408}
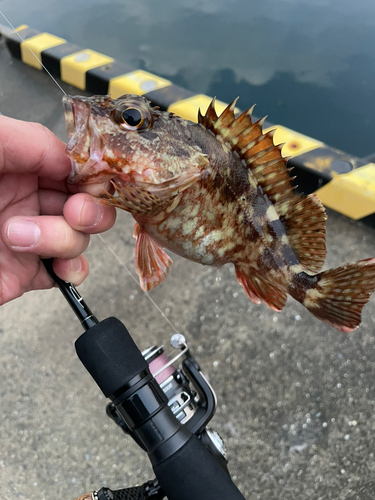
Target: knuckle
{"x": 73, "y": 243}
{"x": 45, "y": 136}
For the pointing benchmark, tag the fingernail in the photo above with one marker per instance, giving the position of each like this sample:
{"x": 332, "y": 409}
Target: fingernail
{"x": 75, "y": 265}
{"x": 91, "y": 214}
{"x": 23, "y": 233}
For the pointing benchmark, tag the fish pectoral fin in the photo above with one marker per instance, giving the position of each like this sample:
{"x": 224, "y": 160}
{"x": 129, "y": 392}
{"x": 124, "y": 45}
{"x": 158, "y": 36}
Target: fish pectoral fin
{"x": 136, "y": 200}
{"x": 152, "y": 264}
{"x": 147, "y": 198}
{"x": 259, "y": 289}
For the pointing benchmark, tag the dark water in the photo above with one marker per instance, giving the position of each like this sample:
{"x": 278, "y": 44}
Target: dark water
{"x": 308, "y": 64}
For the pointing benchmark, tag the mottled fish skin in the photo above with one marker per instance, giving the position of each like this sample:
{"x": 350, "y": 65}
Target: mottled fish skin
{"x": 223, "y": 217}
{"x": 214, "y": 192}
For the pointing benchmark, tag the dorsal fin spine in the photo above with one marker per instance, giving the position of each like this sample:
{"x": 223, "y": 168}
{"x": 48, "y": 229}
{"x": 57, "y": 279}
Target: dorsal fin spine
{"x": 234, "y": 132}
{"x": 251, "y": 145}
{"x": 261, "y": 122}
{"x": 253, "y": 126}
{"x": 246, "y": 115}
{"x": 260, "y": 154}
{"x": 256, "y": 141}
{"x": 227, "y": 116}
{"x": 277, "y": 185}
{"x": 232, "y": 105}
{"x": 262, "y": 168}
{"x": 210, "y": 117}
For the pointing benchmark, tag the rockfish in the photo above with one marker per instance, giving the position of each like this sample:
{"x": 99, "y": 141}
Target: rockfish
{"x": 215, "y": 192}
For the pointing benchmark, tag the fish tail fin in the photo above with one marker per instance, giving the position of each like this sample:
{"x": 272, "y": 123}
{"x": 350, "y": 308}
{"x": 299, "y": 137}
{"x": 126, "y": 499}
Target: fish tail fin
{"x": 337, "y": 296}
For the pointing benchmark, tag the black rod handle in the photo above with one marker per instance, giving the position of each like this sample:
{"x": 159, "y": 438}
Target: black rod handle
{"x": 193, "y": 473}
{"x": 111, "y": 356}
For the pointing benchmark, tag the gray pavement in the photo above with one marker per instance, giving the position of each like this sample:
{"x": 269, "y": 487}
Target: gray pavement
{"x": 296, "y": 398}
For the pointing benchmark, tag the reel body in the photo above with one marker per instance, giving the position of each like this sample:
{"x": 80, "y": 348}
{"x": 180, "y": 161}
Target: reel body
{"x": 190, "y": 396}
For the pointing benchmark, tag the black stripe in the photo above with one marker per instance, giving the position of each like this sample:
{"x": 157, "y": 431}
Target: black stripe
{"x": 51, "y": 58}
{"x": 369, "y": 220}
{"x": 14, "y": 41}
{"x": 168, "y": 95}
{"x": 97, "y": 79}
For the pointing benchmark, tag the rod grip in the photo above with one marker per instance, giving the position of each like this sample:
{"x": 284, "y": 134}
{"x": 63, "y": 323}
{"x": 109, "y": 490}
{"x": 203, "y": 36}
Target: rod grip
{"x": 193, "y": 473}
{"x": 102, "y": 349}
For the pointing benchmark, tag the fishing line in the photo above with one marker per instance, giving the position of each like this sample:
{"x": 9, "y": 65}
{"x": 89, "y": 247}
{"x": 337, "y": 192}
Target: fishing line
{"x": 33, "y": 53}
{"x": 137, "y": 282}
{"x": 100, "y": 236}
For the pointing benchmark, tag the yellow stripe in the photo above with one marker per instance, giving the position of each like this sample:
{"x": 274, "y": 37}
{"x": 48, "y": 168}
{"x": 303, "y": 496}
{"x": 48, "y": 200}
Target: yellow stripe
{"x": 188, "y": 108}
{"x": 21, "y": 28}
{"x": 37, "y": 44}
{"x": 351, "y": 194}
{"x": 74, "y": 67}
{"x": 137, "y": 82}
{"x": 295, "y": 143}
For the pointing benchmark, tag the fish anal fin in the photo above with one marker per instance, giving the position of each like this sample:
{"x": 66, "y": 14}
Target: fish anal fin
{"x": 152, "y": 263}
{"x": 149, "y": 199}
{"x": 338, "y": 296}
{"x": 247, "y": 285}
{"x": 304, "y": 222}
{"x": 259, "y": 289}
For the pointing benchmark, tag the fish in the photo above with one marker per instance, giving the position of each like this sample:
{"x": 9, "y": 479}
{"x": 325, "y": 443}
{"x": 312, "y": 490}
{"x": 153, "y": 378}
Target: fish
{"x": 216, "y": 192}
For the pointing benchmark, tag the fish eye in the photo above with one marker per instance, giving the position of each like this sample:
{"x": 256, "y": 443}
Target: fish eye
{"x": 132, "y": 117}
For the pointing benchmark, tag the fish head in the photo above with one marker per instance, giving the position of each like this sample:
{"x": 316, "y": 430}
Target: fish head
{"x": 105, "y": 137}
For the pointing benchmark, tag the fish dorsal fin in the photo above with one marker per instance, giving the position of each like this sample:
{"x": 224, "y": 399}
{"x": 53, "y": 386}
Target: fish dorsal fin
{"x": 256, "y": 149}
{"x": 303, "y": 218}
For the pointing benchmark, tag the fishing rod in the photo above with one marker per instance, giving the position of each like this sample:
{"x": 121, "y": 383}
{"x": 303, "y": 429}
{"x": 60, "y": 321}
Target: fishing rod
{"x": 163, "y": 407}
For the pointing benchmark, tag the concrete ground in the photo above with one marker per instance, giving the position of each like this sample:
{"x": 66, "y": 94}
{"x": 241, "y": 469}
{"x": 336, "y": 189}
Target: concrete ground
{"x": 296, "y": 398}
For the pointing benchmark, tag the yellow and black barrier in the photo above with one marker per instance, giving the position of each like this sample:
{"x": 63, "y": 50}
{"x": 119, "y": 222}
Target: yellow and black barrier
{"x": 343, "y": 182}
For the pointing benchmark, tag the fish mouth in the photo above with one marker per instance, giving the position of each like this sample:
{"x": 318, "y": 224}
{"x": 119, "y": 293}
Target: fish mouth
{"x": 84, "y": 147}
{"x": 69, "y": 115}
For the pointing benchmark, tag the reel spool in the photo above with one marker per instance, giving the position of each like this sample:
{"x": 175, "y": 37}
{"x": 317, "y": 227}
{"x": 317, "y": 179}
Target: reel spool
{"x": 182, "y": 400}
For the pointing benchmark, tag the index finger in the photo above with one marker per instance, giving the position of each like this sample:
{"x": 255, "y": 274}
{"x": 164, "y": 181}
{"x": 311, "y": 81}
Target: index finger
{"x": 30, "y": 148}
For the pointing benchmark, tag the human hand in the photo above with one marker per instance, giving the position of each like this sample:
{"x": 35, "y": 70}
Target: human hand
{"x": 39, "y": 214}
